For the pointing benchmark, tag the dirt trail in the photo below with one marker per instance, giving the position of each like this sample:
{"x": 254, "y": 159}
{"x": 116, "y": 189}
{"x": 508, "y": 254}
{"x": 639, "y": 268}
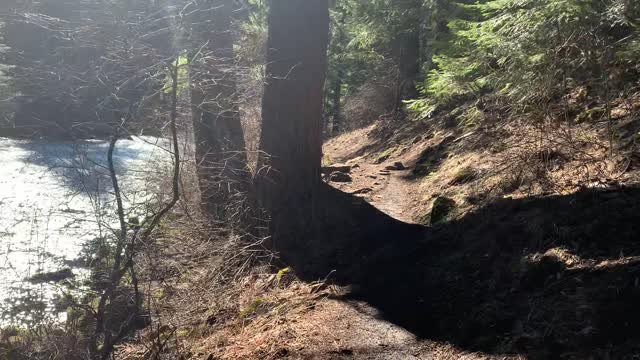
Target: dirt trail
{"x": 375, "y": 173}
{"x": 362, "y": 333}
{"x": 396, "y": 197}
{"x": 388, "y": 190}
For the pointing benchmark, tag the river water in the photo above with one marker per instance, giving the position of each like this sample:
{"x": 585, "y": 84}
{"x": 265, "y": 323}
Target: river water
{"x": 54, "y": 198}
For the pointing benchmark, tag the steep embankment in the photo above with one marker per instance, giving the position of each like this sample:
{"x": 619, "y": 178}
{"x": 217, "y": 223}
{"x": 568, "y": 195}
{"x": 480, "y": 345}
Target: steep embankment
{"x": 536, "y": 236}
{"x": 405, "y": 166}
{"x": 533, "y": 254}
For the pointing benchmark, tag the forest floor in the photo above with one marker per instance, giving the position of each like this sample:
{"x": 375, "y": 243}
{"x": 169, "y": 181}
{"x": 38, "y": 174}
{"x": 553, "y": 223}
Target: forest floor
{"x": 534, "y": 254}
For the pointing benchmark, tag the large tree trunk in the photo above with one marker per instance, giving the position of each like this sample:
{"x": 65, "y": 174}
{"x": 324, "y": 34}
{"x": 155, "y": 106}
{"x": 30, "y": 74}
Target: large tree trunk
{"x": 219, "y": 138}
{"x": 289, "y": 177}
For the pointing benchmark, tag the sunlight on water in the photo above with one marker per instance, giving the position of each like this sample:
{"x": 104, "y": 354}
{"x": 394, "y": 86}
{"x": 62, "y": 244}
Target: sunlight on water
{"x": 54, "y": 197}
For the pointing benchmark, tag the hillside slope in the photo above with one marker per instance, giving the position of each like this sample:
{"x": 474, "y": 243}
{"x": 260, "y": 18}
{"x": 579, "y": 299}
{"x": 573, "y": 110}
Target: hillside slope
{"x": 475, "y": 164}
{"x": 532, "y": 253}
{"x": 530, "y": 224}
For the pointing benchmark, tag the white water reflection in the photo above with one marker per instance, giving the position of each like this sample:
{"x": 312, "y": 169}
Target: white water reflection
{"x": 55, "y": 196}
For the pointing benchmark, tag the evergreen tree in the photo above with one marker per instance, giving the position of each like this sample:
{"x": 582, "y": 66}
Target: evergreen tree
{"x": 291, "y": 140}
{"x": 531, "y": 52}
{"x": 218, "y": 133}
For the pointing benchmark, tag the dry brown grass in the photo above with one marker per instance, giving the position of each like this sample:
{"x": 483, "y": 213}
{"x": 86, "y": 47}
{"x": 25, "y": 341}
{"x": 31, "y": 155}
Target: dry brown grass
{"x": 212, "y": 298}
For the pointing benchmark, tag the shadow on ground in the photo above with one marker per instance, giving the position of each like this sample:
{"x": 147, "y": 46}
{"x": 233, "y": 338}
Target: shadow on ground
{"x": 550, "y": 278}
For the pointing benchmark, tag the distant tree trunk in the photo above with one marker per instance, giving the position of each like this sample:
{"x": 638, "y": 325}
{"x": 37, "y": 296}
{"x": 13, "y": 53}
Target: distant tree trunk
{"x": 219, "y": 138}
{"x": 406, "y": 50}
{"x": 337, "y": 48}
{"x": 289, "y": 178}
{"x": 337, "y": 106}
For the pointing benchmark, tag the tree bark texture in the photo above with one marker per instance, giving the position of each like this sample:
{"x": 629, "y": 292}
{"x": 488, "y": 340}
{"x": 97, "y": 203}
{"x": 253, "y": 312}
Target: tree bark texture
{"x": 218, "y": 133}
{"x": 289, "y": 176}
